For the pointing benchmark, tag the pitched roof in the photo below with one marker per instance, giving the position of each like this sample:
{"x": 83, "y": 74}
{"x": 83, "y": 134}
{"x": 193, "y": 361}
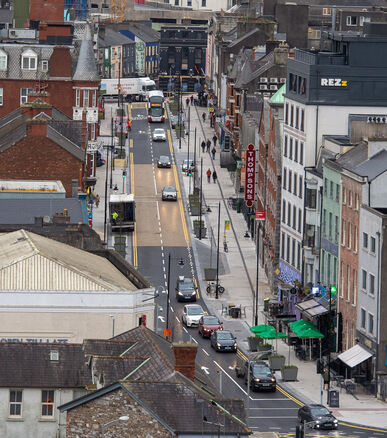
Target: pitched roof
{"x": 28, "y": 365}
{"x": 278, "y": 97}
{"x": 373, "y": 167}
{"x": 113, "y": 38}
{"x": 75, "y": 269}
{"x": 143, "y": 32}
{"x": 86, "y": 69}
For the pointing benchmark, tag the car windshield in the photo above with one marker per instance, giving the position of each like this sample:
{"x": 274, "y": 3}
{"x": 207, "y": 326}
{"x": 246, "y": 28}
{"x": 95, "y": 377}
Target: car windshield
{"x": 195, "y": 311}
{"x": 225, "y": 336}
{"x": 169, "y": 189}
{"x": 212, "y": 320}
{"x": 319, "y": 411}
{"x": 186, "y": 285}
{"x": 164, "y": 158}
{"x": 261, "y": 369}
{"x": 159, "y": 131}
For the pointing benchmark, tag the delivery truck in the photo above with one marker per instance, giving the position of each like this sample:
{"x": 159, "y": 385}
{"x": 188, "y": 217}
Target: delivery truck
{"x": 130, "y": 88}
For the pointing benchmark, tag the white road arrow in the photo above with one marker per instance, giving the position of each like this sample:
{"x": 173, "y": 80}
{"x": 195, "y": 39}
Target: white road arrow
{"x": 161, "y": 318}
{"x": 205, "y": 369}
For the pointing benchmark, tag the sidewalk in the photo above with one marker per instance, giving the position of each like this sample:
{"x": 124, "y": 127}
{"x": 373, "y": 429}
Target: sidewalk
{"x": 237, "y": 273}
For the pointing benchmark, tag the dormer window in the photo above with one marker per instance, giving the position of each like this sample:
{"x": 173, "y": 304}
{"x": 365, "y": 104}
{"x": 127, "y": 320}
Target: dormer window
{"x": 3, "y": 60}
{"x": 29, "y": 60}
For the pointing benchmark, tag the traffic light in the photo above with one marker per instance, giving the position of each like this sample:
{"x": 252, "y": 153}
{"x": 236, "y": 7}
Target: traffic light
{"x": 333, "y": 289}
{"x": 189, "y": 171}
{"x": 124, "y": 174}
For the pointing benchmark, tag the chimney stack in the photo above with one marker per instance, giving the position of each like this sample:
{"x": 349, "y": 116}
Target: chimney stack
{"x": 185, "y": 357}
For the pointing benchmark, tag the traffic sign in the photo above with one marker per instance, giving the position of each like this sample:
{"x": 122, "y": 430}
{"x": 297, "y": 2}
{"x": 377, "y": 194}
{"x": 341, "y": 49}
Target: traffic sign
{"x": 227, "y": 225}
{"x": 277, "y": 271}
{"x": 260, "y": 215}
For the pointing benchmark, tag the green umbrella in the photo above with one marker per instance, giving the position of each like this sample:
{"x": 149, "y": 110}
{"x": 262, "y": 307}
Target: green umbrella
{"x": 262, "y": 328}
{"x": 295, "y": 325}
{"x": 309, "y": 333}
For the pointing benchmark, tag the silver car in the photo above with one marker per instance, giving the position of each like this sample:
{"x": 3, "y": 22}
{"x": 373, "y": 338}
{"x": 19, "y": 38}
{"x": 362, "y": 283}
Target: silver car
{"x": 159, "y": 135}
{"x": 169, "y": 193}
{"x": 191, "y": 314}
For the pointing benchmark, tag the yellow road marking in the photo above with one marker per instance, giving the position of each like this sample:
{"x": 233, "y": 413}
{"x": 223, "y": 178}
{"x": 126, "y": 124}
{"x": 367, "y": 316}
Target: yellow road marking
{"x": 286, "y": 394}
{"x": 362, "y": 427}
{"x": 131, "y": 173}
{"x": 181, "y": 207}
{"x": 170, "y": 142}
{"x": 131, "y": 143}
{"x": 196, "y": 287}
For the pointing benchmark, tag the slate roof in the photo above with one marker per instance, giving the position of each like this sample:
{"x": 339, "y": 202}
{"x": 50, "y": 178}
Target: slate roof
{"x": 86, "y": 69}
{"x": 373, "y": 167}
{"x": 354, "y": 157}
{"x": 23, "y": 211}
{"x": 144, "y": 33}
{"x": 105, "y": 347}
{"x": 113, "y": 38}
{"x": 28, "y": 365}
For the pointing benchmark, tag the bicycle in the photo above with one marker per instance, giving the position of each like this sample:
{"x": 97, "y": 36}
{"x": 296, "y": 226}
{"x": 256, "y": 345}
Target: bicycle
{"x": 212, "y": 288}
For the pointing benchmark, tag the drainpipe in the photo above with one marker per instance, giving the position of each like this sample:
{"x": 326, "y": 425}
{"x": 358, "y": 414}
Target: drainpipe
{"x": 316, "y": 135}
{"x": 319, "y": 251}
{"x": 264, "y": 206}
{"x": 377, "y": 318}
{"x": 303, "y": 233}
{"x": 369, "y": 192}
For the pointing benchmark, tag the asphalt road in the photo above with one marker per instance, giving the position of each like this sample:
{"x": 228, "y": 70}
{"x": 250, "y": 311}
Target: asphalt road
{"x": 161, "y": 232}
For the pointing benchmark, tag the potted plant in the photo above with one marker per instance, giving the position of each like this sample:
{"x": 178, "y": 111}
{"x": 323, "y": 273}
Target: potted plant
{"x": 276, "y": 361}
{"x": 289, "y": 372}
{"x": 199, "y": 229}
{"x": 254, "y": 342}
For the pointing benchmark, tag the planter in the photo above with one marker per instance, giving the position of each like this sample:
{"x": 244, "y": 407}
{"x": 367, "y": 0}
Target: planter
{"x": 210, "y": 274}
{"x": 253, "y": 343}
{"x": 276, "y": 362}
{"x": 289, "y": 374}
{"x": 203, "y": 232}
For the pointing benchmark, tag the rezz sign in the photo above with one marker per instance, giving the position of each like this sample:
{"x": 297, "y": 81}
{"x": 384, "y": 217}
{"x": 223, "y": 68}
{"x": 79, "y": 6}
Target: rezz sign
{"x": 250, "y": 175}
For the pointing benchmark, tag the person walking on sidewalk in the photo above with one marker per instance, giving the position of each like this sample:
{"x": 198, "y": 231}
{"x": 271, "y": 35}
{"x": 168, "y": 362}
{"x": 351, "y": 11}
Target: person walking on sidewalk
{"x": 187, "y": 101}
{"x": 204, "y": 117}
{"x": 203, "y": 145}
{"x": 214, "y": 139}
{"x": 208, "y": 145}
{"x": 192, "y": 100}
{"x": 213, "y": 152}
{"x": 214, "y": 176}
{"x": 208, "y": 173}
{"x": 97, "y": 199}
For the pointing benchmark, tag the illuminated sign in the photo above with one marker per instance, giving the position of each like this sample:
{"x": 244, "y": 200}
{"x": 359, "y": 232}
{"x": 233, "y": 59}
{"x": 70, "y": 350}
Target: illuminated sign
{"x": 250, "y": 175}
{"x": 333, "y": 82}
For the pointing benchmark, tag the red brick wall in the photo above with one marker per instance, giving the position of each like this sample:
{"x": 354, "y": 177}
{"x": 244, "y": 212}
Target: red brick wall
{"x": 38, "y": 158}
{"x": 60, "y": 63}
{"x": 349, "y": 258}
{"x": 48, "y": 10}
{"x": 261, "y": 163}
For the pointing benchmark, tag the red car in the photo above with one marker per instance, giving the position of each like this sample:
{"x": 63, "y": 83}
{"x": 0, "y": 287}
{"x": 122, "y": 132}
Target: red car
{"x": 208, "y": 324}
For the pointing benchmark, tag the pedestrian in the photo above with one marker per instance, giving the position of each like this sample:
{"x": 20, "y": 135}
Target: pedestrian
{"x": 326, "y": 378}
{"x": 214, "y": 176}
{"x": 192, "y": 100}
{"x": 114, "y": 217}
{"x": 208, "y": 145}
{"x": 213, "y": 152}
{"x": 214, "y": 139}
{"x": 187, "y": 101}
{"x": 97, "y": 199}
{"x": 203, "y": 145}
{"x": 208, "y": 173}
{"x": 204, "y": 117}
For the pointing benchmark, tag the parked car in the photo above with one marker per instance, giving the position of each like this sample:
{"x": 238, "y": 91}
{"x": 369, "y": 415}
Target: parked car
{"x": 208, "y": 324}
{"x": 159, "y": 135}
{"x": 188, "y": 164}
{"x": 261, "y": 376}
{"x": 164, "y": 161}
{"x": 185, "y": 289}
{"x": 319, "y": 414}
{"x": 223, "y": 340}
{"x": 169, "y": 193}
{"x": 191, "y": 314}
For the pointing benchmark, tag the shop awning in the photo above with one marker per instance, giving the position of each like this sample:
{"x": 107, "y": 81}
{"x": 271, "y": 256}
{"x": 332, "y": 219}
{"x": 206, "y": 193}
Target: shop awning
{"x": 311, "y": 308}
{"x": 354, "y": 356}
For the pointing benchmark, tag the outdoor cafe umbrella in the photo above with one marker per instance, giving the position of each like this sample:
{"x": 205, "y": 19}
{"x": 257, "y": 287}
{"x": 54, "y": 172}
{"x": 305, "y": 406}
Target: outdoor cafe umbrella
{"x": 306, "y": 330}
{"x": 262, "y": 328}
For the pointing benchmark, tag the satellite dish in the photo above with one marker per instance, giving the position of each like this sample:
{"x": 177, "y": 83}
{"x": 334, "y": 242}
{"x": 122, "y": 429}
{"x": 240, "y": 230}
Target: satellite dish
{"x": 46, "y": 219}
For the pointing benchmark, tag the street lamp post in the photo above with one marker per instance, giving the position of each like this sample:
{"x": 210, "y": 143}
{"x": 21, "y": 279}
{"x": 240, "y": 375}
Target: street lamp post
{"x": 112, "y": 423}
{"x": 256, "y": 307}
{"x": 217, "y": 258}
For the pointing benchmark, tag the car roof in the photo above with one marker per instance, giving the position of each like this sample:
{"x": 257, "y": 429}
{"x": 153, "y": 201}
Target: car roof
{"x": 193, "y": 306}
{"x": 159, "y": 129}
{"x": 164, "y": 157}
{"x": 169, "y": 188}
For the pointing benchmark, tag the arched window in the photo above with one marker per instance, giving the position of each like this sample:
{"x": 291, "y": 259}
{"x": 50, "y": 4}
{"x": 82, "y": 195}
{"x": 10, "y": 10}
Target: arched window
{"x": 3, "y": 60}
{"x": 29, "y": 60}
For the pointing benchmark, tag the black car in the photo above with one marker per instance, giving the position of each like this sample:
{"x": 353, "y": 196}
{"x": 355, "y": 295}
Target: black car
{"x": 164, "y": 161}
{"x": 319, "y": 415}
{"x": 185, "y": 289}
{"x": 261, "y": 376}
{"x": 223, "y": 340}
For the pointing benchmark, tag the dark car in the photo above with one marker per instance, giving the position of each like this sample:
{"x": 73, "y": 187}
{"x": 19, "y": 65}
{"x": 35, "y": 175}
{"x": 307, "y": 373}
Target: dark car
{"x": 208, "y": 324}
{"x": 261, "y": 376}
{"x": 223, "y": 340}
{"x": 185, "y": 289}
{"x": 164, "y": 161}
{"x": 319, "y": 415}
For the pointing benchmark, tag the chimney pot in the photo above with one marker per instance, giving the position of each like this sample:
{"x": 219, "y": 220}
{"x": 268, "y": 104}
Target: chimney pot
{"x": 185, "y": 357}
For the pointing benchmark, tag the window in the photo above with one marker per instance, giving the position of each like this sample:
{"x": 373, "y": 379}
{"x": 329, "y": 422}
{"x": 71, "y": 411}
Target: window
{"x": 372, "y": 284}
{"x": 1, "y": 97}
{"x": 298, "y": 256}
{"x": 348, "y": 283}
{"x": 86, "y": 98}
{"x": 289, "y": 214}
{"x": 349, "y": 199}
{"x": 47, "y": 403}
{"x": 354, "y": 287}
{"x": 203, "y": 3}
{"x": 299, "y": 220}
{"x": 94, "y": 98}
{"x": 297, "y": 115}
{"x": 29, "y": 60}
{"x": 351, "y": 20}
{"x": 284, "y": 211}
{"x": 370, "y": 323}
{"x": 310, "y": 198}
{"x": 349, "y": 235}
{"x": 294, "y": 217}
{"x": 92, "y": 132}
{"x": 300, "y": 186}
{"x": 287, "y": 114}
{"x": 364, "y": 279}
{"x": 291, "y": 114}
{"x": 325, "y": 186}
{"x": 15, "y": 403}
{"x": 295, "y": 151}
{"x": 282, "y": 245}
{"x": 295, "y": 184}
{"x": 301, "y": 152}
{"x": 302, "y": 121}
{"x": 293, "y": 252}
{"x": 291, "y": 148}
{"x": 45, "y": 65}
{"x": 287, "y": 248}
{"x": 284, "y": 178}
{"x": 372, "y": 244}
{"x": 176, "y": 2}
{"x": 364, "y": 20}
{"x": 24, "y": 93}
{"x": 356, "y": 201}
{"x": 362, "y": 318}
{"x": 343, "y": 230}
{"x": 3, "y": 60}
{"x": 290, "y": 181}
{"x": 355, "y": 239}
{"x": 344, "y": 194}
{"x": 77, "y": 97}
{"x": 341, "y": 290}
{"x": 336, "y": 237}
{"x": 331, "y": 189}
{"x": 324, "y": 224}
{"x": 330, "y": 226}
{"x": 337, "y": 192}
{"x": 286, "y": 146}
{"x": 365, "y": 240}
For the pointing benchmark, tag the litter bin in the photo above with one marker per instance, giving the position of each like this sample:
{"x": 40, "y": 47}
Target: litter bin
{"x": 333, "y": 398}
{"x": 235, "y": 312}
{"x": 266, "y": 304}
